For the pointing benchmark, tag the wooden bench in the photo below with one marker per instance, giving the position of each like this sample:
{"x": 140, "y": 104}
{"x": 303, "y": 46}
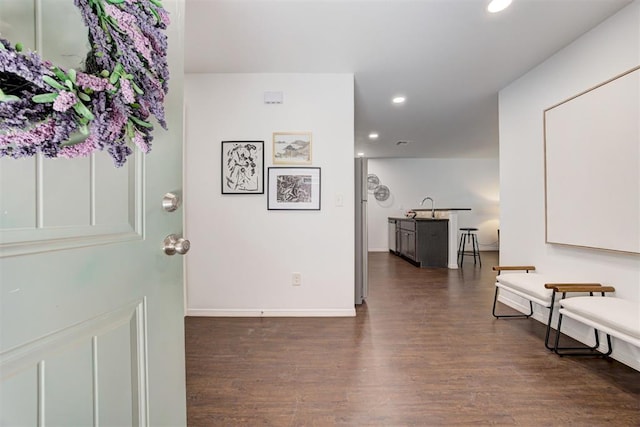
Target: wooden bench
{"x": 613, "y": 316}
{"x": 536, "y": 288}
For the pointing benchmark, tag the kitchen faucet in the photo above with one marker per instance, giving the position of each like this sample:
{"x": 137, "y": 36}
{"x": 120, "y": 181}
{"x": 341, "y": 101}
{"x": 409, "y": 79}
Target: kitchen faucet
{"x": 433, "y": 207}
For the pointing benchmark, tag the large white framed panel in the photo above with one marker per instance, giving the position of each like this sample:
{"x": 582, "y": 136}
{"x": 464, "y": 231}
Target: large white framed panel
{"x": 592, "y": 167}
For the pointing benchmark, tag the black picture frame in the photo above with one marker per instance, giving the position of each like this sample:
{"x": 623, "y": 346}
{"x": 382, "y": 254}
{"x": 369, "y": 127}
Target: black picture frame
{"x": 242, "y": 167}
{"x": 294, "y": 188}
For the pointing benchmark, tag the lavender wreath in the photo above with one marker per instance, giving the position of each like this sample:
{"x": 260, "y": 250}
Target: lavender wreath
{"x": 70, "y": 113}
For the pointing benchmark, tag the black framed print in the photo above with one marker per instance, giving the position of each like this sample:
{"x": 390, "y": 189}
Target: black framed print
{"x": 291, "y": 188}
{"x": 242, "y": 165}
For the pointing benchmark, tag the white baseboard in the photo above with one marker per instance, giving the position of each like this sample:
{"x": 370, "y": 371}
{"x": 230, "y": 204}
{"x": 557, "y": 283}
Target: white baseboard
{"x": 271, "y": 313}
{"x": 622, "y": 351}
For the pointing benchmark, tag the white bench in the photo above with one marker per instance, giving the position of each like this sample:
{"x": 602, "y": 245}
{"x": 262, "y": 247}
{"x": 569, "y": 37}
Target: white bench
{"x": 536, "y": 288}
{"x": 613, "y": 316}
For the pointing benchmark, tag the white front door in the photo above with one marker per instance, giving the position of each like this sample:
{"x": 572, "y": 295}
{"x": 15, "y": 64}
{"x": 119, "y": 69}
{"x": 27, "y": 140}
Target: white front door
{"x": 91, "y": 308}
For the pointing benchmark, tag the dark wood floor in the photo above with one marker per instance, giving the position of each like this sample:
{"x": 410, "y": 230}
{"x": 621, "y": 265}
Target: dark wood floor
{"x": 423, "y": 351}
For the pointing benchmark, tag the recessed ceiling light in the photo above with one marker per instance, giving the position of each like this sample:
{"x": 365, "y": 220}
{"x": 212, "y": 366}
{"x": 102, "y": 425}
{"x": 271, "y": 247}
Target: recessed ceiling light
{"x": 398, "y": 100}
{"x": 373, "y": 135}
{"x": 498, "y": 5}
{"x": 360, "y": 154}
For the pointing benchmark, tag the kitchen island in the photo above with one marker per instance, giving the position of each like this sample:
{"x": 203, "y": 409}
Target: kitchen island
{"x": 422, "y": 241}
{"x": 448, "y": 249}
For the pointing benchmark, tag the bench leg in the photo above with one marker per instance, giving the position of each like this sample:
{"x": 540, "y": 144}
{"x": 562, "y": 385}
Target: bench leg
{"x": 547, "y": 340}
{"x": 505, "y": 316}
{"x": 581, "y": 351}
{"x": 547, "y": 343}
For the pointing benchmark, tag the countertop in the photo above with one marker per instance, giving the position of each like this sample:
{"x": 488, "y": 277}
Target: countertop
{"x": 440, "y": 209}
{"x": 422, "y": 217}
{"x": 404, "y": 218}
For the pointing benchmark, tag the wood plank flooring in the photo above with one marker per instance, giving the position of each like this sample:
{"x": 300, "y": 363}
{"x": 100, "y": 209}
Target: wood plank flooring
{"x": 423, "y": 351}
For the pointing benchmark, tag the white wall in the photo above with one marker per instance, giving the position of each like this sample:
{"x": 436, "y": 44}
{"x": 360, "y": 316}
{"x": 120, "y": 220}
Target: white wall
{"x": 452, "y": 183}
{"x": 604, "y": 52}
{"x": 243, "y": 255}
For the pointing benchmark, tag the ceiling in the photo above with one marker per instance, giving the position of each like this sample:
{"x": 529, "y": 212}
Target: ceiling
{"x": 448, "y": 57}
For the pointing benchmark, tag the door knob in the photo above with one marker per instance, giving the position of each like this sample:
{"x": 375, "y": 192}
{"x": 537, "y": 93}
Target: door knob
{"x": 173, "y": 244}
{"x": 170, "y": 202}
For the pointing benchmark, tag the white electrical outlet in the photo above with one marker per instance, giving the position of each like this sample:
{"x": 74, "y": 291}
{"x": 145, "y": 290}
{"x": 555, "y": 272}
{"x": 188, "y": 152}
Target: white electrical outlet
{"x": 296, "y": 279}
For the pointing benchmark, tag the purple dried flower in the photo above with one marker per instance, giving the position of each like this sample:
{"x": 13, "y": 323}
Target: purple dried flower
{"x": 65, "y": 125}
{"x": 99, "y": 40}
{"x": 81, "y": 149}
{"x": 141, "y": 143}
{"x": 64, "y": 101}
{"x": 115, "y": 126}
{"x": 88, "y": 81}
{"x": 164, "y": 17}
{"x": 127, "y": 91}
{"x": 136, "y": 43}
{"x": 18, "y": 114}
{"x": 30, "y": 66}
{"x": 127, "y": 23}
{"x": 119, "y": 154}
{"x": 31, "y": 137}
{"x": 150, "y": 27}
{"x": 17, "y": 152}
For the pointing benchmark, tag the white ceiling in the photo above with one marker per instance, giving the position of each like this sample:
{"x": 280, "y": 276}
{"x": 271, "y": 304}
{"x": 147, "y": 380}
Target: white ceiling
{"x": 448, "y": 57}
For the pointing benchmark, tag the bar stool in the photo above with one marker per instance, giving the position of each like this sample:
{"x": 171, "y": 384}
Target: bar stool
{"x": 469, "y": 235}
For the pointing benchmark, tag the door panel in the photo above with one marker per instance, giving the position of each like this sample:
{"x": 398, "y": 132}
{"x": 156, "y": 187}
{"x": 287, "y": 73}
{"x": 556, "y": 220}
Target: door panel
{"x": 70, "y": 371}
{"x": 92, "y": 369}
{"x": 18, "y": 208}
{"x": 65, "y": 193}
{"x": 63, "y": 48}
{"x": 63, "y": 203}
{"x": 115, "y": 352}
{"x": 17, "y": 21}
{"x": 91, "y": 309}
{"x": 23, "y": 411}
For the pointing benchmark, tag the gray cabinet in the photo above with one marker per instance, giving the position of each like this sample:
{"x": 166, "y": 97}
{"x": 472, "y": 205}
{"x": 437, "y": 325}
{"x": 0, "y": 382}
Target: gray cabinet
{"x": 424, "y": 242}
{"x": 407, "y": 239}
{"x": 393, "y": 236}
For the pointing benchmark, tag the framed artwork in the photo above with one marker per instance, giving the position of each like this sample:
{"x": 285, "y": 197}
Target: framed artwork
{"x": 293, "y": 188}
{"x": 242, "y": 167}
{"x": 292, "y": 148}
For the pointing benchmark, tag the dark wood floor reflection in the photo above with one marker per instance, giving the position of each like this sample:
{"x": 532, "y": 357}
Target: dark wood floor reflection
{"x": 423, "y": 351}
